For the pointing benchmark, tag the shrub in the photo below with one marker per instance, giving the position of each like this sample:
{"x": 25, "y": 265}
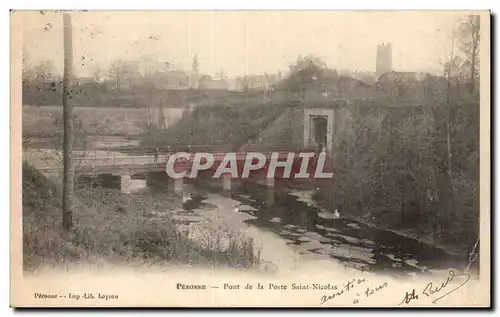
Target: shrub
{"x": 392, "y": 170}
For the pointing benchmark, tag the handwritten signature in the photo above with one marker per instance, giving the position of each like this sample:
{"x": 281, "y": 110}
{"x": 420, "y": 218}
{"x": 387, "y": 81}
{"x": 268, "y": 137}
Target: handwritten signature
{"x": 346, "y": 288}
{"x": 431, "y": 289}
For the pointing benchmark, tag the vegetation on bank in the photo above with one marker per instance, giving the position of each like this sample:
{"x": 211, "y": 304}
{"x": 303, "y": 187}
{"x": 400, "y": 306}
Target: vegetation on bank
{"x": 47, "y": 121}
{"x": 392, "y": 171}
{"x": 114, "y": 228}
{"x": 222, "y": 126}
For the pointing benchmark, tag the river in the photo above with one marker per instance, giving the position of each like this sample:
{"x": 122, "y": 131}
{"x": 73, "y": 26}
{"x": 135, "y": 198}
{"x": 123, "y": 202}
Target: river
{"x": 295, "y": 229}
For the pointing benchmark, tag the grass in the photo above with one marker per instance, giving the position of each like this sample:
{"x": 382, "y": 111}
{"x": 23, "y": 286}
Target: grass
{"x": 224, "y": 126}
{"x": 114, "y": 228}
{"x": 108, "y": 121}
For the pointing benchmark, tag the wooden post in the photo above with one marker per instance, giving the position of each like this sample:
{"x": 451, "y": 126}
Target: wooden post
{"x": 68, "y": 179}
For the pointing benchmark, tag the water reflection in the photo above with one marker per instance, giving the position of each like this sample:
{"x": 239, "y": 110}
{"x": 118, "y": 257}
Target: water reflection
{"x": 295, "y": 217}
{"x": 298, "y": 219}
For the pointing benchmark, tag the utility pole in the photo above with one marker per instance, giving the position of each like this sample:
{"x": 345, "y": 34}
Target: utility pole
{"x": 68, "y": 179}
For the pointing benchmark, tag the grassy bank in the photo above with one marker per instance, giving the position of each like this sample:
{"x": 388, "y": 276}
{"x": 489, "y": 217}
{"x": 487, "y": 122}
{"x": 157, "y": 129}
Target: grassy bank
{"x": 46, "y": 121}
{"x": 224, "y": 126}
{"x": 114, "y": 228}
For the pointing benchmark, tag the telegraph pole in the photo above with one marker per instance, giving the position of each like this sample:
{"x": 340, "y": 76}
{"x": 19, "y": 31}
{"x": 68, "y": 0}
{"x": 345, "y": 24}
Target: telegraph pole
{"x": 68, "y": 179}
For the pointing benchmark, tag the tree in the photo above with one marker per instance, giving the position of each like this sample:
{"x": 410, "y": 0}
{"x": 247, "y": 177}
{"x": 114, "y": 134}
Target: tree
{"x": 306, "y": 75}
{"x": 96, "y": 73}
{"x": 149, "y": 69}
{"x": 115, "y": 73}
{"x": 469, "y": 38}
{"x": 125, "y": 73}
{"x": 305, "y": 62}
{"x": 458, "y": 69}
{"x": 149, "y": 66}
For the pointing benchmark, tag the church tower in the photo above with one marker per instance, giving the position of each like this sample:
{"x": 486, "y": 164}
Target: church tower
{"x": 384, "y": 58}
{"x": 195, "y": 75}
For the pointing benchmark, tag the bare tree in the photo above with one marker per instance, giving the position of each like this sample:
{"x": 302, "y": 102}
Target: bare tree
{"x": 451, "y": 189}
{"x": 149, "y": 69}
{"x": 469, "y": 37}
{"x": 402, "y": 85}
{"x": 97, "y": 72}
{"x": 115, "y": 73}
{"x": 125, "y": 73}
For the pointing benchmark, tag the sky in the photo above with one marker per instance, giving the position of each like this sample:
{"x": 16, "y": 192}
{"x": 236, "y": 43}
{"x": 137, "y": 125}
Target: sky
{"x": 240, "y": 42}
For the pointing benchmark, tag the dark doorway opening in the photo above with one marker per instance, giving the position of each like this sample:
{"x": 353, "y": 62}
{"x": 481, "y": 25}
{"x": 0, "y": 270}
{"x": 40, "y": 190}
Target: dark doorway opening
{"x": 320, "y": 127}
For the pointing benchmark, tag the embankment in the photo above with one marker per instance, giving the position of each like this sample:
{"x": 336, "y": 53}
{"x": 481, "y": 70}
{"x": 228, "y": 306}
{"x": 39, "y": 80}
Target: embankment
{"x": 222, "y": 126}
{"x": 110, "y": 227}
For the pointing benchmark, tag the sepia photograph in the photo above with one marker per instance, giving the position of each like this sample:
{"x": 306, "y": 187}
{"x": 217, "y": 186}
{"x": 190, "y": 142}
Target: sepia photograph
{"x": 250, "y": 158}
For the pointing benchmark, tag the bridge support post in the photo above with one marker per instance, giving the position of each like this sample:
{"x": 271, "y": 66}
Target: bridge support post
{"x": 226, "y": 184}
{"x": 270, "y": 197}
{"x": 125, "y": 183}
{"x": 176, "y": 185}
{"x": 270, "y": 182}
{"x": 270, "y": 192}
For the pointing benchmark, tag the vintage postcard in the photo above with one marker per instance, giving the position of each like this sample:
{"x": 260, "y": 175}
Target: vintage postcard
{"x": 250, "y": 159}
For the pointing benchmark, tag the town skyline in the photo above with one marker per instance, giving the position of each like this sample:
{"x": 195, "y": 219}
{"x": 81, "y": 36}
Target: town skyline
{"x": 255, "y": 46}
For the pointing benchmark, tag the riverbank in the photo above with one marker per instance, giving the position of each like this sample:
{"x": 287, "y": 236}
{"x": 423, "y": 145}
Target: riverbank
{"x": 412, "y": 233}
{"x": 110, "y": 227}
{"x": 407, "y": 233}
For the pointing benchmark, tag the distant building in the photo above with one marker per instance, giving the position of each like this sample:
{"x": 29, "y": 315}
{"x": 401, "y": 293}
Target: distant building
{"x": 177, "y": 79}
{"x": 232, "y": 83}
{"x": 384, "y": 59}
{"x": 174, "y": 79}
{"x": 206, "y": 82}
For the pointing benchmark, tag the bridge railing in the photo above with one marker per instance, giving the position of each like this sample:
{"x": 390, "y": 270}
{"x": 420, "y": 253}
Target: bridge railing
{"x": 117, "y": 159}
{"x": 163, "y": 148}
{"x": 278, "y": 146}
{"x": 97, "y": 160}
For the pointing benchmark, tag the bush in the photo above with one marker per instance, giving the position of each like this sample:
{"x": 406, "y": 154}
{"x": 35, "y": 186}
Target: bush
{"x": 392, "y": 170}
